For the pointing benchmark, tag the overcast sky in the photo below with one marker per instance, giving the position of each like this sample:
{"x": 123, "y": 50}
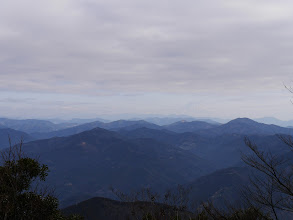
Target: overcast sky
{"x": 203, "y": 58}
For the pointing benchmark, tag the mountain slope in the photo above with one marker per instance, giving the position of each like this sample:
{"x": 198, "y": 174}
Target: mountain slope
{"x": 15, "y": 136}
{"x": 170, "y": 120}
{"x": 220, "y": 186}
{"x": 108, "y": 209}
{"x": 69, "y": 131}
{"x": 246, "y": 126}
{"x": 32, "y": 125}
{"x": 165, "y": 136}
{"x": 116, "y": 125}
{"x": 130, "y": 125}
{"x": 89, "y": 162}
{"x": 184, "y": 126}
{"x": 221, "y": 150}
{"x": 275, "y": 121}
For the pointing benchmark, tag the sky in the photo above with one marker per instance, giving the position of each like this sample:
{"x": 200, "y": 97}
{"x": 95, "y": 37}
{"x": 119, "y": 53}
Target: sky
{"x": 91, "y": 58}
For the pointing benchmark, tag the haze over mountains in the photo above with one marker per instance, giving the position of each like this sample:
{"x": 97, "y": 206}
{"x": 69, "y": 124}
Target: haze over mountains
{"x": 146, "y": 93}
{"x": 46, "y": 126}
{"x": 86, "y": 159}
{"x": 33, "y": 125}
{"x": 14, "y": 135}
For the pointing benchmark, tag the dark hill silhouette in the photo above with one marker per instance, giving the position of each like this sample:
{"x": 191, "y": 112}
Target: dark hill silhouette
{"x": 220, "y": 186}
{"x": 89, "y": 162}
{"x": 108, "y": 209}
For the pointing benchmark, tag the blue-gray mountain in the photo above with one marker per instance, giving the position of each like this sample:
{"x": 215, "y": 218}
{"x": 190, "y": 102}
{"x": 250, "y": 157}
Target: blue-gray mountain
{"x": 246, "y": 126}
{"x": 193, "y": 126}
{"x": 15, "y": 137}
{"x": 85, "y": 160}
{"x": 220, "y": 150}
{"x": 33, "y": 125}
{"x": 213, "y": 187}
{"x": 116, "y": 125}
{"x": 86, "y": 164}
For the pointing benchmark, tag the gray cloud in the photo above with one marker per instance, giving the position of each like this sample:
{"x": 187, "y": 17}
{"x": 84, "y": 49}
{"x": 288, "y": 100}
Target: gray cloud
{"x": 105, "y": 48}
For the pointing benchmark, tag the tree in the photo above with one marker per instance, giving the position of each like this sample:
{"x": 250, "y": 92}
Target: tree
{"x": 21, "y": 196}
{"x": 272, "y": 186}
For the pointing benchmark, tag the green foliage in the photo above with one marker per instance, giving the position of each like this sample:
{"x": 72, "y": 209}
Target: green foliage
{"x": 21, "y": 197}
{"x": 17, "y": 175}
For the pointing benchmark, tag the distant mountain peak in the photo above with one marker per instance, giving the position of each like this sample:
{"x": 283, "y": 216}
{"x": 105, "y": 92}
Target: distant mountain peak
{"x": 243, "y": 120}
{"x": 247, "y": 126}
{"x": 96, "y": 131}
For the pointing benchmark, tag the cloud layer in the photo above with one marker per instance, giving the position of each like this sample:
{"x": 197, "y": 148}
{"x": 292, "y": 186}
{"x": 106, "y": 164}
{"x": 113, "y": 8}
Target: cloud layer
{"x": 179, "y": 49}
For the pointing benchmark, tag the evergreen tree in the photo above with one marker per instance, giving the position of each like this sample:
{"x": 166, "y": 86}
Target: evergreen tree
{"x": 21, "y": 196}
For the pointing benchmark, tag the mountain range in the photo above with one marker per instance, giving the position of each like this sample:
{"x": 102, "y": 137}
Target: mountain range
{"x": 33, "y": 125}
{"x": 105, "y": 158}
{"x": 85, "y": 160}
{"x": 7, "y": 134}
{"x": 246, "y": 126}
{"x": 115, "y": 125}
{"x": 193, "y": 126}
{"x": 275, "y": 121}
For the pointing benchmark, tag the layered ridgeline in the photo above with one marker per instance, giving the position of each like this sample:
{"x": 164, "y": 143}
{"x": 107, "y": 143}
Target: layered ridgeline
{"x": 14, "y": 135}
{"x": 246, "y": 126}
{"x": 33, "y": 125}
{"x": 126, "y": 125}
{"x": 193, "y": 126}
{"x": 114, "y": 126}
{"x": 86, "y": 160}
{"x": 87, "y": 164}
{"x": 243, "y": 126}
{"x": 170, "y": 120}
{"x": 221, "y": 150}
